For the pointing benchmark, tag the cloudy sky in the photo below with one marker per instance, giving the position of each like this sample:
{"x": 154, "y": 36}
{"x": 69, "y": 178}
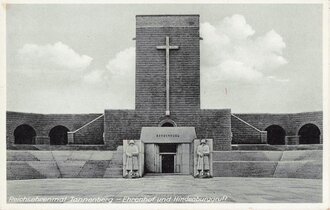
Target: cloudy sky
{"x": 80, "y": 58}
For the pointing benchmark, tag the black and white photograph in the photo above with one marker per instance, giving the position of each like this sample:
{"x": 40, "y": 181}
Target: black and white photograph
{"x": 161, "y": 104}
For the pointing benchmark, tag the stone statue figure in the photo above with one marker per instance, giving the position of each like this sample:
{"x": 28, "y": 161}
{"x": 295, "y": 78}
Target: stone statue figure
{"x": 132, "y": 163}
{"x": 203, "y": 160}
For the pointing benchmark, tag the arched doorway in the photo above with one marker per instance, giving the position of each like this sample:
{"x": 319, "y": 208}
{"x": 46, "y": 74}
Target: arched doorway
{"x": 167, "y": 123}
{"x": 25, "y": 134}
{"x": 275, "y": 135}
{"x": 59, "y": 135}
{"x": 309, "y": 134}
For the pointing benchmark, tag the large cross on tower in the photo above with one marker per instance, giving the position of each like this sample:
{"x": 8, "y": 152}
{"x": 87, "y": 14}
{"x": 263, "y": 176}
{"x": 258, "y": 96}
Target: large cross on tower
{"x": 167, "y": 49}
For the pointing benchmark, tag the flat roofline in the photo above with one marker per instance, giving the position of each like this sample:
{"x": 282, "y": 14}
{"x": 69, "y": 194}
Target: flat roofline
{"x": 279, "y": 113}
{"x": 168, "y": 15}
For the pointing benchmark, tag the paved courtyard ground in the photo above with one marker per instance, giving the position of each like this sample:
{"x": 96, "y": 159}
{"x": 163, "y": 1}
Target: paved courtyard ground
{"x": 162, "y": 189}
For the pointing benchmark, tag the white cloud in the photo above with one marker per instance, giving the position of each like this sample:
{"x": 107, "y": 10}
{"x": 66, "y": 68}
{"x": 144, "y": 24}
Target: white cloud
{"x": 231, "y": 52}
{"x": 235, "y": 69}
{"x": 118, "y": 78}
{"x": 123, "y": 64}
{"x": 272, "y": 78}
{"x": 121, "y": 78}
{"x": 235, "y": 27}
{"x": 93, "y": 77}
{"x": 57, "y": 56}
{"x": 51, "y": 64}
{"x": 119, "y": 69}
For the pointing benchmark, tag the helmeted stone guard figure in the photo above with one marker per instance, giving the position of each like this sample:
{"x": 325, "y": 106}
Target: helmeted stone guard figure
{"x": 132, "y": 160}
{"x": 203, "y": 160}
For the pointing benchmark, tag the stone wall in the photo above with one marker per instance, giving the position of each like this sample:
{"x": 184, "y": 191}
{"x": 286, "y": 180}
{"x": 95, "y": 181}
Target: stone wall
{"x": 43, "y": 123}
{"x": 214, "y": 124}
{"x": 127, "y": 124}
{"x": 120, "y": 125}
{"x": 244, "y": 133}
{"x": 91, "y": 133}
{"x": 291, "y": 123}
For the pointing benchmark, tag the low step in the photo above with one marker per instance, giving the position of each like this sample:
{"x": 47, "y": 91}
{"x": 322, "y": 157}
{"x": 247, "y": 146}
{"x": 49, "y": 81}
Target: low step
{"x": 22, "y": 170}
{"x": 299, "y": 169}
{"x": 244, "y": 168}
{"x": 94, "y": 169}
{"x": 299, "y": 155}
{"x": 113, "y": 172}
{"x": 253, "y": 147}
{"x": 268, "y": 147}
{"x": 247, "y": 155}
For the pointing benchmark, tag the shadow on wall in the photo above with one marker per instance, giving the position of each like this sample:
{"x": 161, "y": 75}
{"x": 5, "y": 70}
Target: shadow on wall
{"x": 58, "y": 135}
{"x": 275, "y": 135}
{"x": 25, "y": 134}
{"x": 309, "y": 134}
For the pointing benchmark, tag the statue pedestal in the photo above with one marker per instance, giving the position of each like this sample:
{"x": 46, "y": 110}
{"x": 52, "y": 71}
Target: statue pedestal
{"x": 203, "y": 173}
{"x": 139, "y": 160}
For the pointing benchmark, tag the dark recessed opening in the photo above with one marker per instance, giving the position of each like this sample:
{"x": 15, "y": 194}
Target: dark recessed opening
{"x": 25, "y": 134}
{"x": 275, "y": 135}
{"x": 167, "y": 124}
{"x": 167, "y": 163}
{"x": 167, "y": 148}
{"x": 309, "y": 134}
{"x": 58, "y": 135}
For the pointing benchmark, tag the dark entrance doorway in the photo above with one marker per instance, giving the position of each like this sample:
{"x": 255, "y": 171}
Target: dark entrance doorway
{"x": 59, "y": 135}
{"x": 167, "y": 154}
{"x": 275, "y": 135}
{"x": 25, "y": 134}
{"x": 309, "y": 134}
{"x": 167, "y": 163}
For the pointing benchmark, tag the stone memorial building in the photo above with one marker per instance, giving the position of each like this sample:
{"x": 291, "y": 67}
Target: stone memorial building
{"x": 168, "y": 95}
{"x": 167, "y": 119}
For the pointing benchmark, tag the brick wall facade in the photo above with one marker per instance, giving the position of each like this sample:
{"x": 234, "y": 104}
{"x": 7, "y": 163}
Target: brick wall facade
{"x": 243, "y": 133}
{"x": 90, "y": 134}
{"x": 127, "y": 124}
{"x": 43, "y": 123}
{"x": 291, "y": 123}
{"x": 183, "y": 31}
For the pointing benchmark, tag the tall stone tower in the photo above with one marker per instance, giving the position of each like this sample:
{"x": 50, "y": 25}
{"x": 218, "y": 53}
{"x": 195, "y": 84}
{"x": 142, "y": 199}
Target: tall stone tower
{"x": 182, "y": 32}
